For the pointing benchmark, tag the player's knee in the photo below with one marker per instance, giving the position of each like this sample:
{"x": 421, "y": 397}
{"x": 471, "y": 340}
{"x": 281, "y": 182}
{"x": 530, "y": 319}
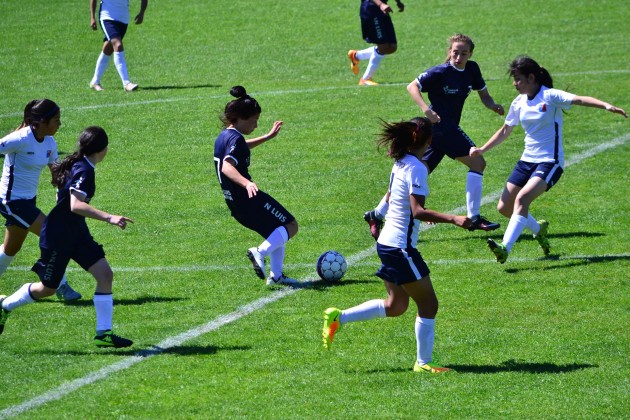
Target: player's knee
{"x": 504, "y": 209}
{"x": 395, "y": 307}
{"x": 292, "y": 228}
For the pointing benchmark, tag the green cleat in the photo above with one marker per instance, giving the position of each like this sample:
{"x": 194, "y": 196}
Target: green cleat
{"x": 498, "y": 250}
{"x": 430, "y": 368}
{"x": 331, "y": 325}
{"x": 109, "y": 339}
{"x": 4, "y": 314}
{"x": 542, "y": 238}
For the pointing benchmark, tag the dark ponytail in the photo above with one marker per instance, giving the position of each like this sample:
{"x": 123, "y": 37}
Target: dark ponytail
{"x": 243, "y": 107}
{"x": 91, "y": 140}
{"x": 525, "y": 66}
{"x": 402, "y": 137}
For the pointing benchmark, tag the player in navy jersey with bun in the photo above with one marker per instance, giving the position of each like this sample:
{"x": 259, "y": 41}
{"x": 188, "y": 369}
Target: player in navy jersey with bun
{"x": 250, "y": 206}
{"x": 65, "y": 236}
{"x": 27, "y": 150}
{"x": 538, "y": 109}
{"x": 377, "y": 28}
{"x": 114, "y": 18}
{"x": 403, "y": 270}
{"x": 447, "y": 86}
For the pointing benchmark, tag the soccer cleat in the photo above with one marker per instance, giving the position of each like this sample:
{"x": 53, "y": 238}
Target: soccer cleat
{"x": 367, "y": 82}
{"x": 109, "y": 339}
{"x": 375, "y": 223}
{"x": 354, "y": 63}
{"x": 429, "y": 368}
{"x": 499, "y": 250}
{"x": 66, "y": 293}
{"x": 331, "y": 325}
{"x": 4, "y": 314}
{"x": 481, "y": 223}
{"x": 282, "y": 280}
{"x": 542, "y": 238}
{"x": 258, "y": 261}
{"x": 130, "y": 87}
{"x": 96, "y": 86}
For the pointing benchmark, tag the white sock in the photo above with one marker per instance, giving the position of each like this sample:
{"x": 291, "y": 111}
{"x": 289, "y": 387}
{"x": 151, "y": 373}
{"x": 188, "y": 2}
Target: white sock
{"x": 425, "y": 337}
{"x": 532, "y": 224}
{"x": 277, "y": 238}
{"x": 276, "y": 261}
{"x": 474, "y": 184}
{"x": 121, "y": 66}
{"x": 383, "y": 206}
{"x": 365, "y": 54}
{"x": 375, "y": 61}
{"x": 514, "y": 229}
{"x": 5, "y": 260}
{"x": 101, "y": 65}
{"x": 364, "y": 312}
{"x": 20, "y": 298}
{"x": 104, "y": 305}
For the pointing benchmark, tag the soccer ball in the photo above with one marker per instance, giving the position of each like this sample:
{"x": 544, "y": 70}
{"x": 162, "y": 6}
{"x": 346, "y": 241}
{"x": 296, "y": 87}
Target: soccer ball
{"x": 331, "y": 266}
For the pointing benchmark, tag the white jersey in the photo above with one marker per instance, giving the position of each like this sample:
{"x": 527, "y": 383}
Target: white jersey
{"x": 117, "y": 10}
{"x": 541, "y": 119}
{"x": 24, "y": 160}
{"x": 409, "y": 176}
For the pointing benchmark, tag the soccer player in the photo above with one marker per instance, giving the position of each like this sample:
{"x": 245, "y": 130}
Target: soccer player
{"x": 377, "y": 28}
{"x": 403, "y": 270}
{"x": 65, "y": 236}
{"x": 447, "y": 86}
{"x": 250, "y": 206}
{"x": 114, "y": 18}
{"x": 27, "y": 150}
{"x": 538, "y": 109}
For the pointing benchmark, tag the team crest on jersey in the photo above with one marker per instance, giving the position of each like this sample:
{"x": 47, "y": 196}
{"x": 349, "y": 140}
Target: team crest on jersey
{"x": 542, "y": 108}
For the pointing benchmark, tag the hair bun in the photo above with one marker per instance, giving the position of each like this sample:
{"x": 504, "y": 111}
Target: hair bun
{"x": 238, "y": 92}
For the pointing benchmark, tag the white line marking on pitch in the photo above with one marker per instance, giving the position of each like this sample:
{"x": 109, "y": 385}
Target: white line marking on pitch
{"x": 69, "y": 387}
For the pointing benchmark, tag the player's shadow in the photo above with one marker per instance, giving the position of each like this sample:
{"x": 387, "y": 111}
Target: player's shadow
{"x": 524, "y": 367}
{"x": 154, "y": 351}
{"x": 567, "y": 262}
{"x": 317, "y": 284}
{"x": 122, "y": 301}
{"x": 175, "y": 87}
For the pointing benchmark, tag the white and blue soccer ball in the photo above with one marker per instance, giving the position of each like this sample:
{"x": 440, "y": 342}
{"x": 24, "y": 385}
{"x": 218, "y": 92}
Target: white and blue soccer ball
{"x": 331, "y": 266}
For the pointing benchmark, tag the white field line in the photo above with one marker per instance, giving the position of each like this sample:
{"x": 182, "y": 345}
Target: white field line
{"x": 277, "y": 92}
{"x": 69, "y": 387}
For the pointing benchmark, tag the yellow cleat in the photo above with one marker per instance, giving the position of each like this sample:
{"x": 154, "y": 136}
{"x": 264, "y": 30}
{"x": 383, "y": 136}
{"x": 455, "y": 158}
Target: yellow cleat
{"x": 430, "y": 368}
{"x": 367, "y": 82}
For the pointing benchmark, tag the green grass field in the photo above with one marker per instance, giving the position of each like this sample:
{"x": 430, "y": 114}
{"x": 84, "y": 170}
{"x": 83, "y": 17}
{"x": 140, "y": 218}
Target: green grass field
{"x": 534, "y": 338}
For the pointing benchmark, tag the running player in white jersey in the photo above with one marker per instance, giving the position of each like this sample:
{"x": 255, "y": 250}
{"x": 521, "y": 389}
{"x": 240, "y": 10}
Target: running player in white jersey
{"x": 538, "y": 109}
{"x": 27, "y": 151}
{"x": 377, "y": 28}
{"x": 403, "y": 270}
{"x": 114, "y": 18}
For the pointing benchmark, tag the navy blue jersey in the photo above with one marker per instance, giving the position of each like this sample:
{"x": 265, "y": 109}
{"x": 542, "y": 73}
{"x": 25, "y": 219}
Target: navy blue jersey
{"x": 61, "y": 224}
{"x": 369, "y": 9}
{"x": 448, "y": 88}
{"x": 231, "y": 144}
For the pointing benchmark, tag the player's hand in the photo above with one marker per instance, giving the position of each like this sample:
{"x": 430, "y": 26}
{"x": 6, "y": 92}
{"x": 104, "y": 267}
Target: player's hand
{"x": 139, "y": 18}
{"x": 498, "y": 109}
{"x": 432, "y": 116}
{"x": 93, "y": 24}
{"x": 275, "y": 129}
{"x": 475, "y": 151}
{"x": 252, "y": 189}
{"x": 615, "y": 110}
{"x": 385, "y": 8}
{"x": 120, "y": 221}
{"x": 462, "y": 222}
{"x": 401, "y": 6}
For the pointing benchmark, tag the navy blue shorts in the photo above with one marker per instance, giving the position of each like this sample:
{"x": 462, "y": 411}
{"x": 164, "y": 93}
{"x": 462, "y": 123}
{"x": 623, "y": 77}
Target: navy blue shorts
{"x": 113, "y": 29}
{"x": 548, "y": 171}
{"x": 400, "y": 266}
{"x": 20, "y": 213}
{"x": 378, "y": 29}
{"x": 448, "y": 139}
{"x": 261, "y": 213}
{"x": 52, "y": 264}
